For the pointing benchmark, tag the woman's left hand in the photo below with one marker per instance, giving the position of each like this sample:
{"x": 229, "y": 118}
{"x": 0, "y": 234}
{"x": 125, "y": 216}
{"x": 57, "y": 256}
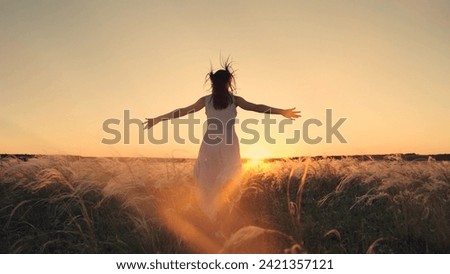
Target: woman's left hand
{"x": 149, "y": 124}
{"x": 291, "y": 113}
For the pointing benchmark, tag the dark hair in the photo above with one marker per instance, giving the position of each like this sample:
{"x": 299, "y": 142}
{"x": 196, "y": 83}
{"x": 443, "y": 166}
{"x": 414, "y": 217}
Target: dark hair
{"x": 222, "y": 85}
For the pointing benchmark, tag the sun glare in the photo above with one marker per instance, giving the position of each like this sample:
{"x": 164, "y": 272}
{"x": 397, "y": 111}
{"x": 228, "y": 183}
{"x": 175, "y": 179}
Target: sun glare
{"x": 254, "y": 163}
{"x": 256, "y": 159}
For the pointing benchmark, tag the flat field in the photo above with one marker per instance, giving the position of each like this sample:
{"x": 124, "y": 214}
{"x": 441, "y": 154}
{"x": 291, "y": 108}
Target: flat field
{"x": 68, "y": 204}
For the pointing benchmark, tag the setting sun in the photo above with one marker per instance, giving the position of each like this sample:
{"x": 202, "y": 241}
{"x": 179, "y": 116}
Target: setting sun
{"x": 256, "y": 152}
{"x": 254, "y": 163}
{"x": 255, "y": 157}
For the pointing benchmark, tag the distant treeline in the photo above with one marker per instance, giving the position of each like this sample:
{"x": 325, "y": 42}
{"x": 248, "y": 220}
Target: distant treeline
{"x": 378, "y": 157}
{"x": 23, "y": 157}
{"x": 369, "y": 157}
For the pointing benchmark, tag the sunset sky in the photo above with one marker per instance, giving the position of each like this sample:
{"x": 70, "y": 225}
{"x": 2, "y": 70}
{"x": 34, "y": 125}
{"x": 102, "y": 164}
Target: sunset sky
{"x": 67, "y": 66}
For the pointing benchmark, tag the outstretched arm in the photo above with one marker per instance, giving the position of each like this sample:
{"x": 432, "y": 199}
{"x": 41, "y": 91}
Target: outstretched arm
{"x": 176, "y": 113}
{"x": 288, "y": 113}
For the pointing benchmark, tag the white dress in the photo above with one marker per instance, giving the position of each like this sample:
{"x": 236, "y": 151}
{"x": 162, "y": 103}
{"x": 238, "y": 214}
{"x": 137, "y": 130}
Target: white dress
{"x": 218, "y": 166}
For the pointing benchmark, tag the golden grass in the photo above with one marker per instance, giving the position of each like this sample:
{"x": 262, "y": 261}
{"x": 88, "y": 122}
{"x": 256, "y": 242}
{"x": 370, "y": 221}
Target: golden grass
{"x": 137, "y": 205}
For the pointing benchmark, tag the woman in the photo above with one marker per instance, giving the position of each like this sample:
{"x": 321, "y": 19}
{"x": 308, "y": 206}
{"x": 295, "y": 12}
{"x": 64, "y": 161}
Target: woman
{"x": 218, "y": 165}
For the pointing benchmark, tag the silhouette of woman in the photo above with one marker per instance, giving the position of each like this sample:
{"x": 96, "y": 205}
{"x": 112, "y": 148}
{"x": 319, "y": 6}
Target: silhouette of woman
{"x": 218, "y": 165}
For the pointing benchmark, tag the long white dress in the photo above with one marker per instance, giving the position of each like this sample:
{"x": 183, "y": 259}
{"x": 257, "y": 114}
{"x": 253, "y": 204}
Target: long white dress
{"x": 218, "y": 166}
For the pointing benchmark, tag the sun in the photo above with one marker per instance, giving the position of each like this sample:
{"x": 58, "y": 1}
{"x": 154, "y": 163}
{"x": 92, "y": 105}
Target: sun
{"x": 256, "y": 157}
{"x": 254, "y": 162}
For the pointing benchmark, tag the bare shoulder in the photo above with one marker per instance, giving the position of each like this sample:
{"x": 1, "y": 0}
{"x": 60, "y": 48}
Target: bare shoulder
{"x": 239, "y": 100}
{"x": 203, "y": 98}
{"x": 199, "y": 104}
{"x": 244, "y": 104}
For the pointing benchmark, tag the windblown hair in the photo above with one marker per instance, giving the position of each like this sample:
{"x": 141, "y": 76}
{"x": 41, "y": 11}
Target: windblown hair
{"x": 222, "y": 85}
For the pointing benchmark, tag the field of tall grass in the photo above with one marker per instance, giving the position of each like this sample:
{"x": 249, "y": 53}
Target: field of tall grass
{"x": 55, "y": 204}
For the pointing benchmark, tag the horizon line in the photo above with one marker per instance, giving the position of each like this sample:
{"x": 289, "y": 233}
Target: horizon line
{"x": 411, "y": 155}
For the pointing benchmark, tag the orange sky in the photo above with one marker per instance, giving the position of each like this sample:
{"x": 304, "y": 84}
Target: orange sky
{"x": 68, "y": 66}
